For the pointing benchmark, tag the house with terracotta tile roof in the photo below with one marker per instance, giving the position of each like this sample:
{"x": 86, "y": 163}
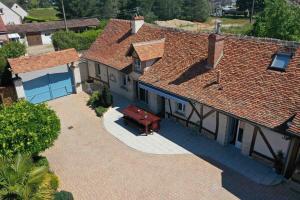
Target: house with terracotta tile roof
{"x": 239, "y": 91}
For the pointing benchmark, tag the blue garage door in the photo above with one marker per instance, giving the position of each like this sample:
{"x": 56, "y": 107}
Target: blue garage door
{"x": 49, "y": 86}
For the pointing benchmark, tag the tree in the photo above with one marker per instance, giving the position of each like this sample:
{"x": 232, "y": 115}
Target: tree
{"x": 168, "y": 9}
{"x": 247, "y": 5}
{"x": 109, "y": 8}
{"x": 76, "y": 8}
{"x": 27, "y": 128}
{"x": 278, "y": 20}
{"x": 200, "y": 10}
{"x": 21, "y": 179}
{"x": 9, "y": 50}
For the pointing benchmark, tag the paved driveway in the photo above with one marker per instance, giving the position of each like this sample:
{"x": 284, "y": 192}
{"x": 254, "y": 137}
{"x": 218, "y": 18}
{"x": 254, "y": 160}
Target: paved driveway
{"x": 93, "y": 164}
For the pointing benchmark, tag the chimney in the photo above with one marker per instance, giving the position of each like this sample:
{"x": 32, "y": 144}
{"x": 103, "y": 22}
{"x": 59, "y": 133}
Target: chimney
{"x": 136, "y": 23}
{"x": 215, "y": 46}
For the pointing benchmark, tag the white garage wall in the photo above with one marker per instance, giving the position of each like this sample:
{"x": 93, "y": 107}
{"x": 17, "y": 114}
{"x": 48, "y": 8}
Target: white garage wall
{"x": 32, "y": 75}
{"x": 46, "y": 38}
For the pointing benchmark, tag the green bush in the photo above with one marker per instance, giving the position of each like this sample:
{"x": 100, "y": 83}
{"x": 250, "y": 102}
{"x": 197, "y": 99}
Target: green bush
{"x": 54, "y": 181}
{"x": 27, "y": 128}
{"x": 21, "y": 179}
{"x": 100, "y": 111}
{"x": 29, "y": 19}
{"x": 95, "y": 100}
{"x": 70, "y": 39}
{"x": 107, "y": 97}
{"x": 9, "y": 50}
{"x": 40, "y": 161}
{"x": 63, "y": 195}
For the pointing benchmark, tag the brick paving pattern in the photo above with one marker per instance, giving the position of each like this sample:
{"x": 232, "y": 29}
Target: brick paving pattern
{"x": 94, "y": 165}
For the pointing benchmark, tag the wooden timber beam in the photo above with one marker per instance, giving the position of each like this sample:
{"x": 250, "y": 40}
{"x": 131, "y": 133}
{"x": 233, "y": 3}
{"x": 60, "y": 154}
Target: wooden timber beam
{"x": 209, "y": 113}
{"x": 170, "y": 107}
{"x": 194, "y": 109}
{"x": 267, "y": 143}
{"x": 253, "y": 140}
{"x": 217, "y": 124}
{"x": 188, "y": 119}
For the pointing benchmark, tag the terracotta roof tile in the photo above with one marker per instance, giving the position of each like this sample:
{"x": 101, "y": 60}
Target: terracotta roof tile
{"x": 295, "y": 126}
{"x": 149, "y": 50}
{"x": 32, "y": 63}
{"x": 52, "y": 25}
{"x": 248, "y": 89}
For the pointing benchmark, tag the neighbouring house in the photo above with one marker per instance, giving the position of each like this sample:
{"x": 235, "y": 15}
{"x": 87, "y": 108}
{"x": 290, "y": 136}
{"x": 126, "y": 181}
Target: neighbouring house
{"x": 239, "y": 91}
{"x": 9, "y": 16}
{"x": 40, "y": 33}
{"x": 48, "y": 76}
{"x": 3, "y": 32}
{"x": 19, "y": 10}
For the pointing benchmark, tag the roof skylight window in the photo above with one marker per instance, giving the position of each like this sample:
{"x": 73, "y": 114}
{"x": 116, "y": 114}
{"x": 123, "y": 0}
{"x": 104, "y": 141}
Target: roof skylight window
{"x": 281, "y": 61}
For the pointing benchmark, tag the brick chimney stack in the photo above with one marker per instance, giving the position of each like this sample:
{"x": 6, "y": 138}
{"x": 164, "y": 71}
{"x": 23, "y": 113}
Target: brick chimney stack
{"x": 136, "y": 23}
{"x": 215, "y": 47}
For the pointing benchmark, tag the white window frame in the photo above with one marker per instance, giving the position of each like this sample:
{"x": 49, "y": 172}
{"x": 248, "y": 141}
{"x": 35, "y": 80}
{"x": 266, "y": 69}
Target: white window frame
{"x": 137, "y": 65}
{"x": 180, "y": 108}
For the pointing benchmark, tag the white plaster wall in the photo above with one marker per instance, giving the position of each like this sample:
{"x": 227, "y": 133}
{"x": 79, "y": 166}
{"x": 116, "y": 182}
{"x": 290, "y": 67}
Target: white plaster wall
{"x": 103, "y": 71}
{"x": 9, "y": 16}
{"x": 83, "y": 66}
{"x": 210, "y": 121}
{"x": 35, "y": 74}
{"x": 276, "y": 141}
{"x": 222, "y": 137}
{"x": 19, "y": 88}
{"x": 154, "y": 102}
{"x": 115, "y": 84}
{"x": 19, "y": 10}
{"x": 247, "y": 139}
{"x": 46, "y": 39}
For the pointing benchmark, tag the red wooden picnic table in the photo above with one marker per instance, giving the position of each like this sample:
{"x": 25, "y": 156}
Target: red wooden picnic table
{"x": 148, "y": 120}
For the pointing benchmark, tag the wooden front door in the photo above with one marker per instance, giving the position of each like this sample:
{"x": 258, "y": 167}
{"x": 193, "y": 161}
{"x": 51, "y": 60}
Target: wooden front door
{"x": 34, "y": 39}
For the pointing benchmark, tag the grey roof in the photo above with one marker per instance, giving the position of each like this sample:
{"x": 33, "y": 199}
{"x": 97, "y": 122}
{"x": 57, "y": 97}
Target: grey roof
{"x": 52, "y": 25}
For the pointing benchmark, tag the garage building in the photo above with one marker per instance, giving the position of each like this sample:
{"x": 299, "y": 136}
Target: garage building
{"x": 45, "y": 77}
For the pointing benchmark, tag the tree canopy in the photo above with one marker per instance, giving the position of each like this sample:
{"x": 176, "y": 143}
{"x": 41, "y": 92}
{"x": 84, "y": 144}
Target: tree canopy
{"x": 280, "y": 19}
{"x": 247, "y": 4}
{"x": 27, "y": 128}
{"x": 152, "y": 9}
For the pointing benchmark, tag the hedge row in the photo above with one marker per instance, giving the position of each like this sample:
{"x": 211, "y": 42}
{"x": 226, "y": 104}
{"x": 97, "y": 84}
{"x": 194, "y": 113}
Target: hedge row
{"x": 79, "y": 41}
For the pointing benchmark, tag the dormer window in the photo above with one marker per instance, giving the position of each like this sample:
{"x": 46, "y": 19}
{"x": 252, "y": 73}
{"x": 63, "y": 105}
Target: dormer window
{"x": 281, "y": 61}
{"x": 137, "y": 65}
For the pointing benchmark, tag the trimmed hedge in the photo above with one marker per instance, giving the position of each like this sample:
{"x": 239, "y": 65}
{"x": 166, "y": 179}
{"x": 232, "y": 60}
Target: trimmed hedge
{"x": 79, "y": 41}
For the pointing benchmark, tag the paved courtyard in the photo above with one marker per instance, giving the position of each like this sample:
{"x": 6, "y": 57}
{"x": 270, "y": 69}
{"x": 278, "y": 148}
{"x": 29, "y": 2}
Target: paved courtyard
{"x": 93, "y": 164}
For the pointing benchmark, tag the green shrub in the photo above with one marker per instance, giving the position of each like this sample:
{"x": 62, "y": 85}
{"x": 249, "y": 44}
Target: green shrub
{"x": 70, "y": 39}
{"x": 40, "y": 161}
{"x": 54, "y": 181}
{"x": 9, "y": 50}
{"x": 27, "y": 128}
{"x": 100, "y": 111}
{"x": 21, "y": 179}
{"x": 63, "y": 195}
{"x": 107, "y": 97}
{"x": 95, "y": 100}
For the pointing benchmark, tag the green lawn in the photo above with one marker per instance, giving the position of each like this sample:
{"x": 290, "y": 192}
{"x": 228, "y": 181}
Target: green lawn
{"x": 47, "y": 14}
